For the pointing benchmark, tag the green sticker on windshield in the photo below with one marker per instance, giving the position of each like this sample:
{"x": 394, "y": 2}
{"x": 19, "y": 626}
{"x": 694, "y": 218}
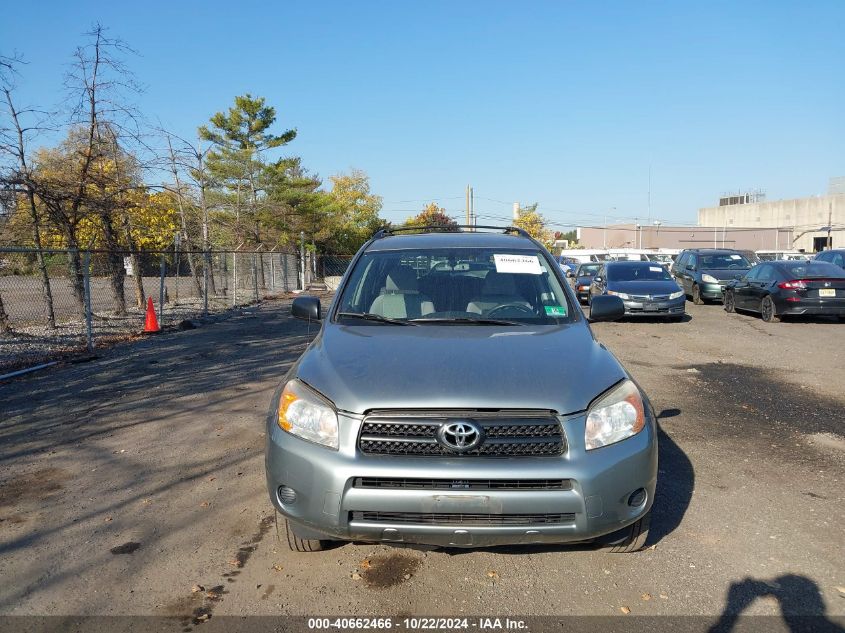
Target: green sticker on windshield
{"x": 558, "y": 311}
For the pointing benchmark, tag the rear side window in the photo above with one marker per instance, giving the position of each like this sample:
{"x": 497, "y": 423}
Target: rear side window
{"x": 808, "y": 270}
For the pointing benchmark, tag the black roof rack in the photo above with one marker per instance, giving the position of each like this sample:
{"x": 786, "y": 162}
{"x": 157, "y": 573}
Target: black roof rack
{"x": 446, "y": 228}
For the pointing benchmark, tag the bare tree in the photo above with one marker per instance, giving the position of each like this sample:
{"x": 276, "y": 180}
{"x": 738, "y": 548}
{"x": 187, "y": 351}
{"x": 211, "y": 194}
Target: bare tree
{"x": 13, "y": 141}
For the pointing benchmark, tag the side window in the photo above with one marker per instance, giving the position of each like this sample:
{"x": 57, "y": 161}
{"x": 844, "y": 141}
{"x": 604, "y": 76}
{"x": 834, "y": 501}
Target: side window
{"x": 766, "y": 273}
{"x": 824, "y": 256}
{"x": 753, "y": 273}
{"x": 693, "y": 261}
{"x": 682, "y": 260}
{"x": 837, "y": 259}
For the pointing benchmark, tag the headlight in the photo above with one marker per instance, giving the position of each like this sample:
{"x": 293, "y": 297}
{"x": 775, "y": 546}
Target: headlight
{"x": 677, "y": 295}
{"x": 307, "y": 415}
{"x": 617, "y": 415}
{"x": 709, "y": 279}
{"x": 621, "y": 295}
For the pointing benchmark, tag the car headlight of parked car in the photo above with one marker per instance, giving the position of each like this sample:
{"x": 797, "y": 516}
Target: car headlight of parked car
{"x": 677, "y": 295}
{"x": 304, "y": 413}
{"x": 616, "y": 416}
{"x": 709, "y": 279}
{"x": 621, "y": 295}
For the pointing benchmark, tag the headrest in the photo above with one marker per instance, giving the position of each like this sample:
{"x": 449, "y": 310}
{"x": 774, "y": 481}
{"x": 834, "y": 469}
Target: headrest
{"x": 401, "y": 279}
{"x": 499, "y": 284}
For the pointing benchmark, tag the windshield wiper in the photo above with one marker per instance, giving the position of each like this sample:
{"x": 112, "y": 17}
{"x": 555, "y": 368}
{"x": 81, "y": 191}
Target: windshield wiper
{"x": 369, "y": 316}
{"x": 465, "y": 321}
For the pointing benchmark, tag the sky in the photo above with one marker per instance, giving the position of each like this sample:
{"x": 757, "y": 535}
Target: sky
{"x": 597, "y": 111}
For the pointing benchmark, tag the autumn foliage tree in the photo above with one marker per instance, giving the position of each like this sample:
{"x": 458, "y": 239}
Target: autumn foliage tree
{"x": 433, "y": 215}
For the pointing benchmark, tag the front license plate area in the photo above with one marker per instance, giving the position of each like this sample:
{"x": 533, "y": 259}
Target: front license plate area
{"x": 650, "y": 307}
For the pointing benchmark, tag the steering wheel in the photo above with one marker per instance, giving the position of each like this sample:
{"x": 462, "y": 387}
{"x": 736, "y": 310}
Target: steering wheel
{"x": 519, "y": 307}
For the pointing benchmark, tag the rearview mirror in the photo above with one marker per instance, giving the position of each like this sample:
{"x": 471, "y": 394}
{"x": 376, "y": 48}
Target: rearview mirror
{"x": 606, "y": 308}
{"x": 307, "y": 308}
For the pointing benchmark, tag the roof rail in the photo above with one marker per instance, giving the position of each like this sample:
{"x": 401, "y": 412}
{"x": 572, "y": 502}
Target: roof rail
{"x": 446, "y": 228}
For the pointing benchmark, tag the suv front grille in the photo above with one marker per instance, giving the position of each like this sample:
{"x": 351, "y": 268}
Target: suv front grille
{"x": 461, "y": 484}
{"x": 505, "y": 433}
{"x": 454, "y": 518}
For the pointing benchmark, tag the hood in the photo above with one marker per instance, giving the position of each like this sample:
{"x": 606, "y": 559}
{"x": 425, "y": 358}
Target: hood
{"x": 644, "y": 287}
{"x": 561, "y": 368}
{"x": 724, "y": 274}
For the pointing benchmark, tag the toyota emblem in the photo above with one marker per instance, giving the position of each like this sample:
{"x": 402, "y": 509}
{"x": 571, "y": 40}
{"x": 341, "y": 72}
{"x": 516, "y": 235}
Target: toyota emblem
{"x": 460, "y": 436}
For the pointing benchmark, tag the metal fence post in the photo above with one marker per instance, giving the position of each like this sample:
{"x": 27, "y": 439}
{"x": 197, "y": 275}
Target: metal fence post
{"x": 234, "y": 279}
{"x": 302, "y": 260}
{"x": 161, "y": 291}
{"x": 205, "y": 273}
{"x": 272, "y": 272}
{"x": 284, "y": 271}
{"x": 255, "y": 277}
{"x": 86, "y": 277}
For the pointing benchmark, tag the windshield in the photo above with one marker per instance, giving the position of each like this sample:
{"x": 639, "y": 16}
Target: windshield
{"x": 588, "y": 270}
{"x": 717, "y": 261}
{"x": 459, "y": 285}
{"x": 637, "y": 272}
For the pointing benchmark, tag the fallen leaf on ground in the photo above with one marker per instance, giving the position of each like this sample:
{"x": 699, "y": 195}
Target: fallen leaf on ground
{"x": 646, "y": 596}
{"x": 625, "y": 610}
{"x": 493, "y": 574}
{"x": 356, "y": 576}
{"x": 204, "y": 504}
{"x": 202, "y": 617}
{"x": 653, "y": 546}
{"x": 108, "y": 519}
{"x": 147, "y": 502}
{"x": 212, "y": 478}
{"x": 197, "y": 588}
{"x": 278, "y": 567}
{"x": 663, "y": 596}
{"x": 235, "y": 562}
{"x": 365, "y": 564}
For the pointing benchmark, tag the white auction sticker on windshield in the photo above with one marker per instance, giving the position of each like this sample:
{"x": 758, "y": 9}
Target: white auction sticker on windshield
{"x": 736, "y": 256}
{"x": 524, "y": 264}
{"x": 655, "y": 269}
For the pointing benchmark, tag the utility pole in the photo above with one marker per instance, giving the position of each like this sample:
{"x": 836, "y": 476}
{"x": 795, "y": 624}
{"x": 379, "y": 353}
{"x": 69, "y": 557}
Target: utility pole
{"x": 515, "y": 211}
{"x": 468, "y": 205}
{"x": 829, "y": 224}
{"x": 649, "y": 194}
{"x": 472, "y": 220}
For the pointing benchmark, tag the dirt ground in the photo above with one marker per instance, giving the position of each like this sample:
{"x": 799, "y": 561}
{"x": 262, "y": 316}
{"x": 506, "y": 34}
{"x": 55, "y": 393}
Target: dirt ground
{"x": 134, "y": 484}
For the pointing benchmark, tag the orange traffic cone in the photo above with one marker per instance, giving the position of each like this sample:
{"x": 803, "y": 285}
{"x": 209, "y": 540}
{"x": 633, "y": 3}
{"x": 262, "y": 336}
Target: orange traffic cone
{"x": 151, "y": 324}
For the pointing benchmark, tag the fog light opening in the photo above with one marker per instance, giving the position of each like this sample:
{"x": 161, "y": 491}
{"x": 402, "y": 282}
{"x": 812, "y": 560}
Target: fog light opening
{"x": 637, "y": 498}
{"x": 287, "y": 495}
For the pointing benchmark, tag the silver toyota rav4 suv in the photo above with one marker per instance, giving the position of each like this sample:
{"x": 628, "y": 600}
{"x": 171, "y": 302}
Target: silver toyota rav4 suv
{"x": 455, "y": 396}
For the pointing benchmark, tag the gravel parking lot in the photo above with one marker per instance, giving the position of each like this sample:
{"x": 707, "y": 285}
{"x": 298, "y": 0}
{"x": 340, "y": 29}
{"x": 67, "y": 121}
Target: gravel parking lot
{"x": 134, "y": 484}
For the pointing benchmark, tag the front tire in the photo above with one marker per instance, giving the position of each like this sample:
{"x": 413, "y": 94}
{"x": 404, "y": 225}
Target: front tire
{"x": 730, "y": 302}
{"x": 629, "y": 539}
{"x": 767, "y": 310}
{"x": 696, "y": 295}
{"x": 297, "y": 544}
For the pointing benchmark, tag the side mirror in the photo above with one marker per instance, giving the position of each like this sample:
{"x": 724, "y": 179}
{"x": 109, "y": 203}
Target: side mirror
{"x": 598, "y": 280}
{"x": 569, "y": 273}
{"x": 606, "y": 308}
{"x": 738, "y": 276}
{"x": 307, "y": 308}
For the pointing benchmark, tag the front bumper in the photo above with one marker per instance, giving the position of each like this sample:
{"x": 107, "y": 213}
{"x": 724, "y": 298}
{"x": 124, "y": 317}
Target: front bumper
{"x": 330, "y": 503}
{"x": 671, "y": 308}
{"x": 713, "y": 291}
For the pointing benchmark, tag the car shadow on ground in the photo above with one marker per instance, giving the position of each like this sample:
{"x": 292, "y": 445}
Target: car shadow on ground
{"x": 675, "y": 483}
{"x": 799, "y": 598}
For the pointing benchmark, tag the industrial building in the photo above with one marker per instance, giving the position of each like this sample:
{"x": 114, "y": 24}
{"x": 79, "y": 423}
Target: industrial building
{"x": 745, "y": 221}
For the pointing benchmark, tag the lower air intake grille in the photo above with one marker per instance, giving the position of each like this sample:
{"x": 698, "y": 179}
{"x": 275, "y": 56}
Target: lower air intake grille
{"x": 424, "y": 518}
{"x": 393, "y": 483}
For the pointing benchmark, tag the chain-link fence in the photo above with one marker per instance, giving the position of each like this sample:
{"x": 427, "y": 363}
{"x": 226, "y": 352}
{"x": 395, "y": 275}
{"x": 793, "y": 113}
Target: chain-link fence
{"x": 53, "y": 301}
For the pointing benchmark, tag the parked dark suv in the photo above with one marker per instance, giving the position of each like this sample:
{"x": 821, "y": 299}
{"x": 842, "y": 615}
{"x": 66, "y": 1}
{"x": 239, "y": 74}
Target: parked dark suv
{"x": 464, "y": 404}
{"x": 703, "y": 273}
{"x": 834, "y": 256}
